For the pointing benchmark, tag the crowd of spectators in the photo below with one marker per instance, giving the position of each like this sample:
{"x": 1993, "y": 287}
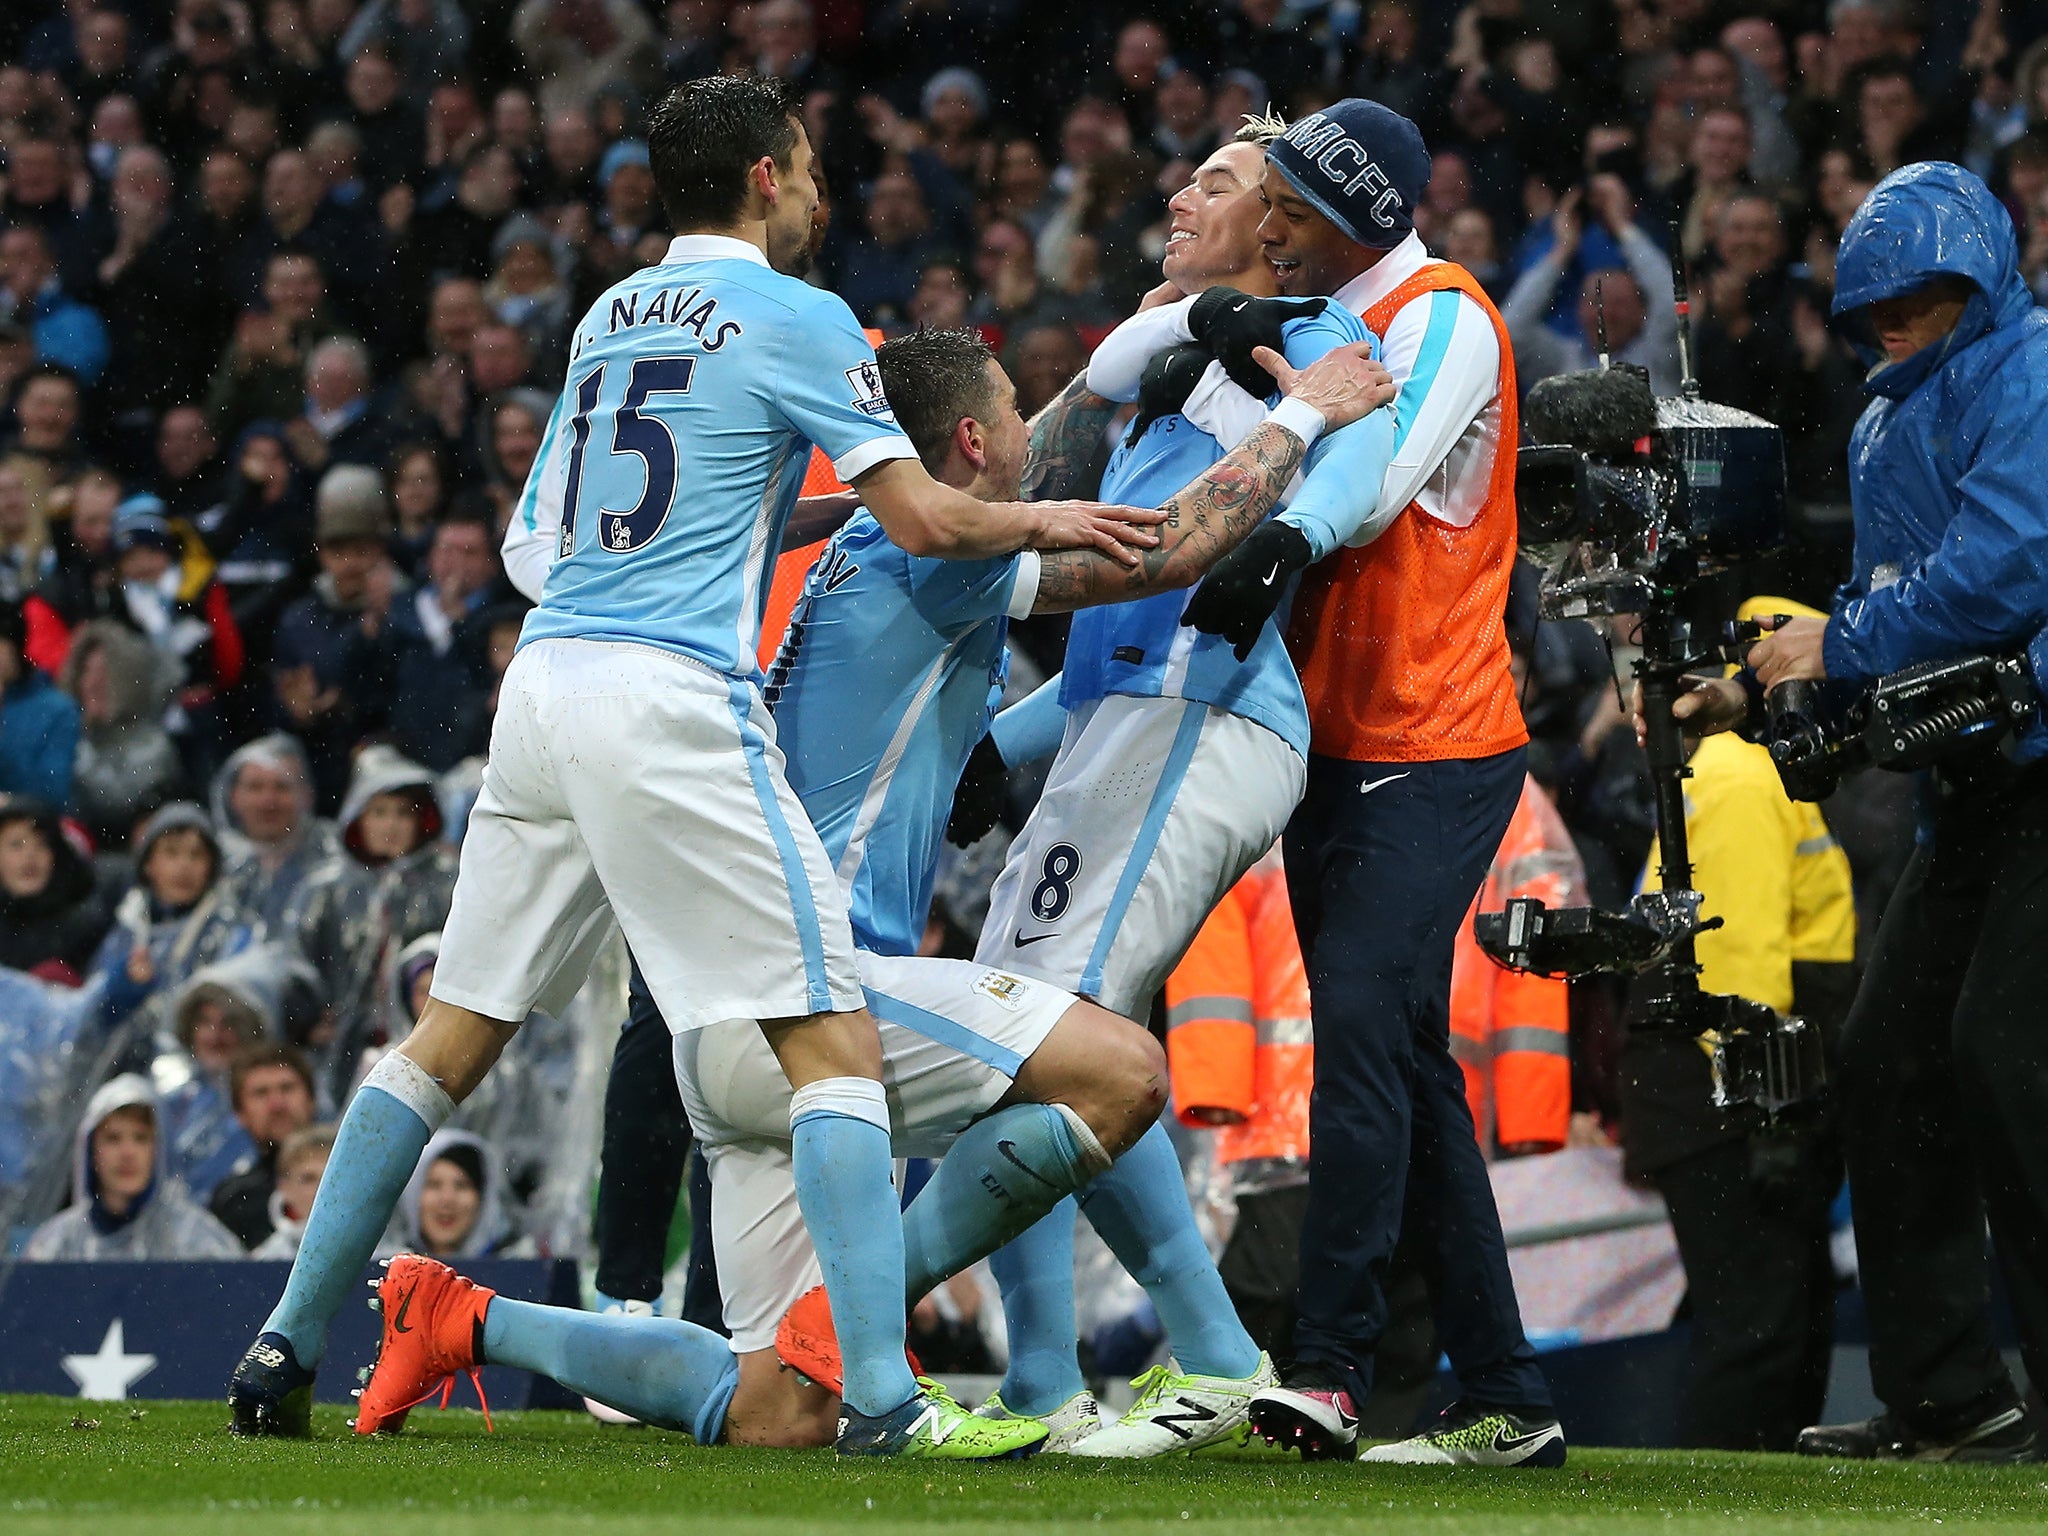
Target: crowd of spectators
{"x": 285, "y": 291}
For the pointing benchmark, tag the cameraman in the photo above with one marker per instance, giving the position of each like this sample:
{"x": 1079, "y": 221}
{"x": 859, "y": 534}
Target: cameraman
{"x": 1944, "y": 1072}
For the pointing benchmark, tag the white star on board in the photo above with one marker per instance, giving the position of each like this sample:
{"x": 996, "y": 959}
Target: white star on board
{"x": 106, "y": 1377}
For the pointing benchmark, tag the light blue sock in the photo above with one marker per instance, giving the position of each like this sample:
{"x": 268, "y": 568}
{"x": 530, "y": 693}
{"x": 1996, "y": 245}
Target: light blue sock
{"x": 1036, "y": 1273}
{"x": 839, "y": 1133}
{"x": 661, "y": 1370}
{"x": 1141, "y": 1209}
{"x": 999, "y": 1177}
{"x": 386, "y": 1128}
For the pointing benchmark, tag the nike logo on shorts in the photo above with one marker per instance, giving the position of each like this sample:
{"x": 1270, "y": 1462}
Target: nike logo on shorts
{"x": 1366, "y": 789}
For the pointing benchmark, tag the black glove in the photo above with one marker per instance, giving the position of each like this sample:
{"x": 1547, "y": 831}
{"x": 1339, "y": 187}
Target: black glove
{"x": 1230, "y": 324}
{"x": 978, "y": 802}
{"x": 1169, "y": 379}
{"x": 1243, "y": 588}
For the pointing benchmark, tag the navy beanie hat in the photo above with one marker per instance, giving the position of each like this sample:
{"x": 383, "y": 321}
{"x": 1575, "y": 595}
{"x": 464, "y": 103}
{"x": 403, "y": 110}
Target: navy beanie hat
{"x": 1363, "y": 166}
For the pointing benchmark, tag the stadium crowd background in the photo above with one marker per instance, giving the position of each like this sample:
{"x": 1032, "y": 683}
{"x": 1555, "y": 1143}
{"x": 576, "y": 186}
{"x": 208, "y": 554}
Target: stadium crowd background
{"x": 284, "y": 294}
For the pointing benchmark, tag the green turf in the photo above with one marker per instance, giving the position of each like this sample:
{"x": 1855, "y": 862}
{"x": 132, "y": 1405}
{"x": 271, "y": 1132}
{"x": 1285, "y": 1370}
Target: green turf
{"x": 170, "y": 1467}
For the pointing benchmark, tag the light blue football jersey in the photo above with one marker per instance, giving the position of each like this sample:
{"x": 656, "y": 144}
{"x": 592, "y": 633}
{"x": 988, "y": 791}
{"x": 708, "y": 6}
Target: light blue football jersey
{"x": 695, "y": 392}
{"x": 887, "y": 677}
{"x": 1142, "y": 648}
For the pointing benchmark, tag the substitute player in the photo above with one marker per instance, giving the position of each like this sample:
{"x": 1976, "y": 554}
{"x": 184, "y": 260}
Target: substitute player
{"x": 881, "y": 690}
{"x": 1414, "y": 771}
{"x": 1178, "y": 761}
{"x": 634, "y": 773}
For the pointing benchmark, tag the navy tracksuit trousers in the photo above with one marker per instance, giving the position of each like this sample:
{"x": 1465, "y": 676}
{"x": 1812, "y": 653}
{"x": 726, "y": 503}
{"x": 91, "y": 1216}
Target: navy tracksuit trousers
{"x": 1383, "y": 860}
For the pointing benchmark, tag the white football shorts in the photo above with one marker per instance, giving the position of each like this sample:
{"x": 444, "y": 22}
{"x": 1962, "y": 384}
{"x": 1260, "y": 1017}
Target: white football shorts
{"x": 627, "y": 782}
{"x": 1154, "y": 808}
{"x": 954, "y": 1034}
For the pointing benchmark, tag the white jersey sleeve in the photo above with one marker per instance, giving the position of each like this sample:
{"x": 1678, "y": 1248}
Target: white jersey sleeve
{"x": 535, "y": 526}
{"x": 1118, "y": 365}
{"x": 1445, "y": 359}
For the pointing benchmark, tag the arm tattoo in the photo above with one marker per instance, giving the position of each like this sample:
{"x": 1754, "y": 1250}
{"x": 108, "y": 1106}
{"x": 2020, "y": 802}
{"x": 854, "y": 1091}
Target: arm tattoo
{"x": 1065, "y": 439}
{"x": 1204, "y": 522}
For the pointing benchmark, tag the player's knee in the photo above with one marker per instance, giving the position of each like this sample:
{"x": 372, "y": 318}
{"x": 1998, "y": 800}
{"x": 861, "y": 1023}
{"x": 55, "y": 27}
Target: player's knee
{"x": 1129, "y": 1087}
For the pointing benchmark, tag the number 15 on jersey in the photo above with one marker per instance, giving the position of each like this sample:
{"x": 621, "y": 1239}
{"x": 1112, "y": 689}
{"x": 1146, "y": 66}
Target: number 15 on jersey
{"x": 625, "y": 529}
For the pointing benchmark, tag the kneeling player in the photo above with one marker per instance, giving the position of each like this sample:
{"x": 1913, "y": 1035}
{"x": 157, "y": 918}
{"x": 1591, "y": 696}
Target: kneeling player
{"x": 890, "y": 660}
{"x": 1028, "y": 1092}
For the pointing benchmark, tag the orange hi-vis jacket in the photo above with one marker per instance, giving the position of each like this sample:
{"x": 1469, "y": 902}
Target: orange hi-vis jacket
{"x": 1402, "y": 644}
{"x": 1238, "y": 1039}
{"x": 1511, "y": 1032}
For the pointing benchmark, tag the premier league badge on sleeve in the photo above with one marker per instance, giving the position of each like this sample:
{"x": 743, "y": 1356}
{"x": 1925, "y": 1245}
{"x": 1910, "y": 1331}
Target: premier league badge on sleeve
{"x": 867, "y": 390}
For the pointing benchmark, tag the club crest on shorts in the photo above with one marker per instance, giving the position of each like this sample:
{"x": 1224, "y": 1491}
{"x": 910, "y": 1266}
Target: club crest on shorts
{"x": 867, "y": 390}
{"x": 1003, "y": 989}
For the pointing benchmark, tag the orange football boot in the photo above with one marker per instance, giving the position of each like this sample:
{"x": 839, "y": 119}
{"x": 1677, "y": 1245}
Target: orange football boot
{"x": 433, "y": 1331}
{"x": 807, "y": 1343}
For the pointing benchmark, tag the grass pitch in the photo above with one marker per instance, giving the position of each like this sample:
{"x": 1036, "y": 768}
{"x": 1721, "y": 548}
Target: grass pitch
{"x": 165, "y": 1468}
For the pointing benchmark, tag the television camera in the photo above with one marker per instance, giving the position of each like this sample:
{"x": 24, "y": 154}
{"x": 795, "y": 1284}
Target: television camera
{"x": 1625, "y": 501}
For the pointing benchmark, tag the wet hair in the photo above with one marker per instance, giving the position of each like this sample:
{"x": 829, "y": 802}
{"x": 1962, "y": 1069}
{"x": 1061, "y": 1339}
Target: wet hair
{"x": 703, "y": 138}
{"x": 932, "y": 379}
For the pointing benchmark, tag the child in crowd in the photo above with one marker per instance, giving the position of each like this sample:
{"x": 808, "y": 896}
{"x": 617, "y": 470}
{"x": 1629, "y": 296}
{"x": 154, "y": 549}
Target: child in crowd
{"x": 390, "y": 883}
{"x": 204, "y": 1142}
{"x": 125, "y": 1202}
{"x": 454, "y": 1208}
{"x": 301, "y": 1161}
{"x": 174, "y": 919}
{"x": 51, "y": 918}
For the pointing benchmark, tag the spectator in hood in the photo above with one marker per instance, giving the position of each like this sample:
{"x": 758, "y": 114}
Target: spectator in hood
{"x": 270, "y": 1085}
{"x": 51, "y": 919}
{"x": 263, "y": 804}
{"x": 176, "y": 918}
{"x": 526, "y": 286}
{"x": 212, "y": 1020}
{"x": 454, "y": 1208}
{"x": 520, "y": 1108}
{"x": 390, "y": 883}
{"x": 126, "y": 764}
{"x": 954, "y": 104}
{"x": 326, "y": 641}
{"x": 38, "y": 721}
{"x": 126, "y": 1204}
{"x": 301, "y": 1164}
